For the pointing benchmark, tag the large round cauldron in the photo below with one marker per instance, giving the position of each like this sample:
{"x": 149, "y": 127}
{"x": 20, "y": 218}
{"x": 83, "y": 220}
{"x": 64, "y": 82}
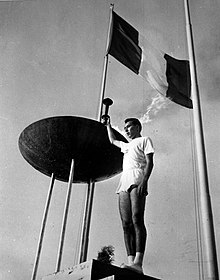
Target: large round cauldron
{"x": 50, "y": 144}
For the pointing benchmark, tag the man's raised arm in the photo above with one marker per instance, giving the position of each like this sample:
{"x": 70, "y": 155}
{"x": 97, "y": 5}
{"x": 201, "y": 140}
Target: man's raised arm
{"x": 111, "y": 136}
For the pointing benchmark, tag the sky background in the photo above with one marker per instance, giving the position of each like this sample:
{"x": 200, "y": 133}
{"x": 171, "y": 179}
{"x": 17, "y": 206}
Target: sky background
{"x": 51, "y": 62}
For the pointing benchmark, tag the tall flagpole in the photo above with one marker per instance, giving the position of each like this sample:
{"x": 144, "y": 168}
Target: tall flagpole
{"x": 91, "y": 185}
{"x": 205, "y": 200}
{"x": 104, "y": 75}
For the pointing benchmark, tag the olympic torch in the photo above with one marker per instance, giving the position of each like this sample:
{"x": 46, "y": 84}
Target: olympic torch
{"x": 106, "y": 118}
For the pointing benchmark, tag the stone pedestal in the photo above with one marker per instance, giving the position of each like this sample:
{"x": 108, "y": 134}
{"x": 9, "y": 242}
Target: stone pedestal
{"x": 94, "y": 270}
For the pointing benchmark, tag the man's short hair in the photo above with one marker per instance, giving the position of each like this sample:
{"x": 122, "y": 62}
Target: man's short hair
{"x": 134, "y": 121}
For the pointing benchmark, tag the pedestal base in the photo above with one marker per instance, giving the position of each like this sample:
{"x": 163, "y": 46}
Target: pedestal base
{"x": 94, "y": 270}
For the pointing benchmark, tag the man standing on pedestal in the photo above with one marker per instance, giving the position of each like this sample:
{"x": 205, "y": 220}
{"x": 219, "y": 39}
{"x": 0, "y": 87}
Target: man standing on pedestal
{"x": 133, "y": 189}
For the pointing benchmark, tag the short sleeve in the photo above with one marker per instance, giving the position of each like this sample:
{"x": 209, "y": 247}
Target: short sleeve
{"x": 148, "y": 149}
{"x": 124, "y": 147}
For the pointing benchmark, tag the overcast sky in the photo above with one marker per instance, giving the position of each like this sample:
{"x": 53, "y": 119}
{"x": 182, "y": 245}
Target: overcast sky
{"x": 51, "y": 61}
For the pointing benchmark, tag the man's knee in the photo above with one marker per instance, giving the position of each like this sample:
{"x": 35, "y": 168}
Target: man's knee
{"x": 127, "y": 225}
{"x": 138, "y": 219}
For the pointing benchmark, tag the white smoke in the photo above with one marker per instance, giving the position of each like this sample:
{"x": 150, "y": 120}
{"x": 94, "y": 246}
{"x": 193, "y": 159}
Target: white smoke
{"x": 158, "y": 103}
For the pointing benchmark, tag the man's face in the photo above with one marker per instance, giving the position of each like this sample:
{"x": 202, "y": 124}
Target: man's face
{"x": 132, "y": 131}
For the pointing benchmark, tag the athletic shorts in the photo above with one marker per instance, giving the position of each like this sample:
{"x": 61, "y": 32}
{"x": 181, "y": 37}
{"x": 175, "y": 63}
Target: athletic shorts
{"x": 129, "y": 179}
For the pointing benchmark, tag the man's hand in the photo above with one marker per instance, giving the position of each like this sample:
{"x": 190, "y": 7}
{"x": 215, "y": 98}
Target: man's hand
{"x": 142, "y": 188}
{"x": 105, "y": 119}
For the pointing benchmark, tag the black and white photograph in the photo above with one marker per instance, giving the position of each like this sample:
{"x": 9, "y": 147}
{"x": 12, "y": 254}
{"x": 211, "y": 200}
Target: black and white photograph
{"x": 110, "y": 139}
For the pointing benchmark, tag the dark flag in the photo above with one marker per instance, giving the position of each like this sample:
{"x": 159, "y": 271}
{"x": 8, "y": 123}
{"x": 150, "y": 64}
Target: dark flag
{"x": 124, "y": 44}
{"x": 168, "y": 75}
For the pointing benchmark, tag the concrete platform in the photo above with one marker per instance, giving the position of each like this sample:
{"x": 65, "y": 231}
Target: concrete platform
{"x": 94, "y": 270}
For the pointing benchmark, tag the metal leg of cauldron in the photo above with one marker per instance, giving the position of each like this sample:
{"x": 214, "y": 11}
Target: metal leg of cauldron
{"x": 86, "y": 222}
{"x": 43, "y": 225}
{"x": 66, "y": 210}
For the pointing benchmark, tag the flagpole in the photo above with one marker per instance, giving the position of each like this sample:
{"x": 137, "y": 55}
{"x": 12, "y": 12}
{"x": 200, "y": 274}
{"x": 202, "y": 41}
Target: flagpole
{"x": 205, "y": 200}
{"x": 91, "y": 185}
{"x": 104, "y": 74}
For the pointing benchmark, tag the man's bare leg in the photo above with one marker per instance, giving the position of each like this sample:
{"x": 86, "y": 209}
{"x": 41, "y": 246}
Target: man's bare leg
{"x": 138, "y": 207}
{"x": 127, "y": 224}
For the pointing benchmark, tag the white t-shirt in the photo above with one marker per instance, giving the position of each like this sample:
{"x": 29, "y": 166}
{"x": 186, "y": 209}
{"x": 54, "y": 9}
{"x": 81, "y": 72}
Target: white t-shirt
{"x": 134, "y": 162}
{"x": 135, "y": 152}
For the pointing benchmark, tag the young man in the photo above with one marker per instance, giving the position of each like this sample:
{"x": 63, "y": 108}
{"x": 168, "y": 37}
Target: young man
{"x": 133, "y": 188}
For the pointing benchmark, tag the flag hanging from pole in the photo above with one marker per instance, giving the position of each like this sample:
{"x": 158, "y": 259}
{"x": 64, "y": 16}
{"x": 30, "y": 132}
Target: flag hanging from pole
{"x": 168, "y": 75}
{"x": 124, "y": 43}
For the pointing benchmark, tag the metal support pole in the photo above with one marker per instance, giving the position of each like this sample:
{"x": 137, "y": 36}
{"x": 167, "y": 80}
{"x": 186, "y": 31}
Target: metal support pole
{"x": 43, "y": 225}
{"x": 86, "y": 222}
{"x": 66, "y": 210}
{"x": 205, "y": 200}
